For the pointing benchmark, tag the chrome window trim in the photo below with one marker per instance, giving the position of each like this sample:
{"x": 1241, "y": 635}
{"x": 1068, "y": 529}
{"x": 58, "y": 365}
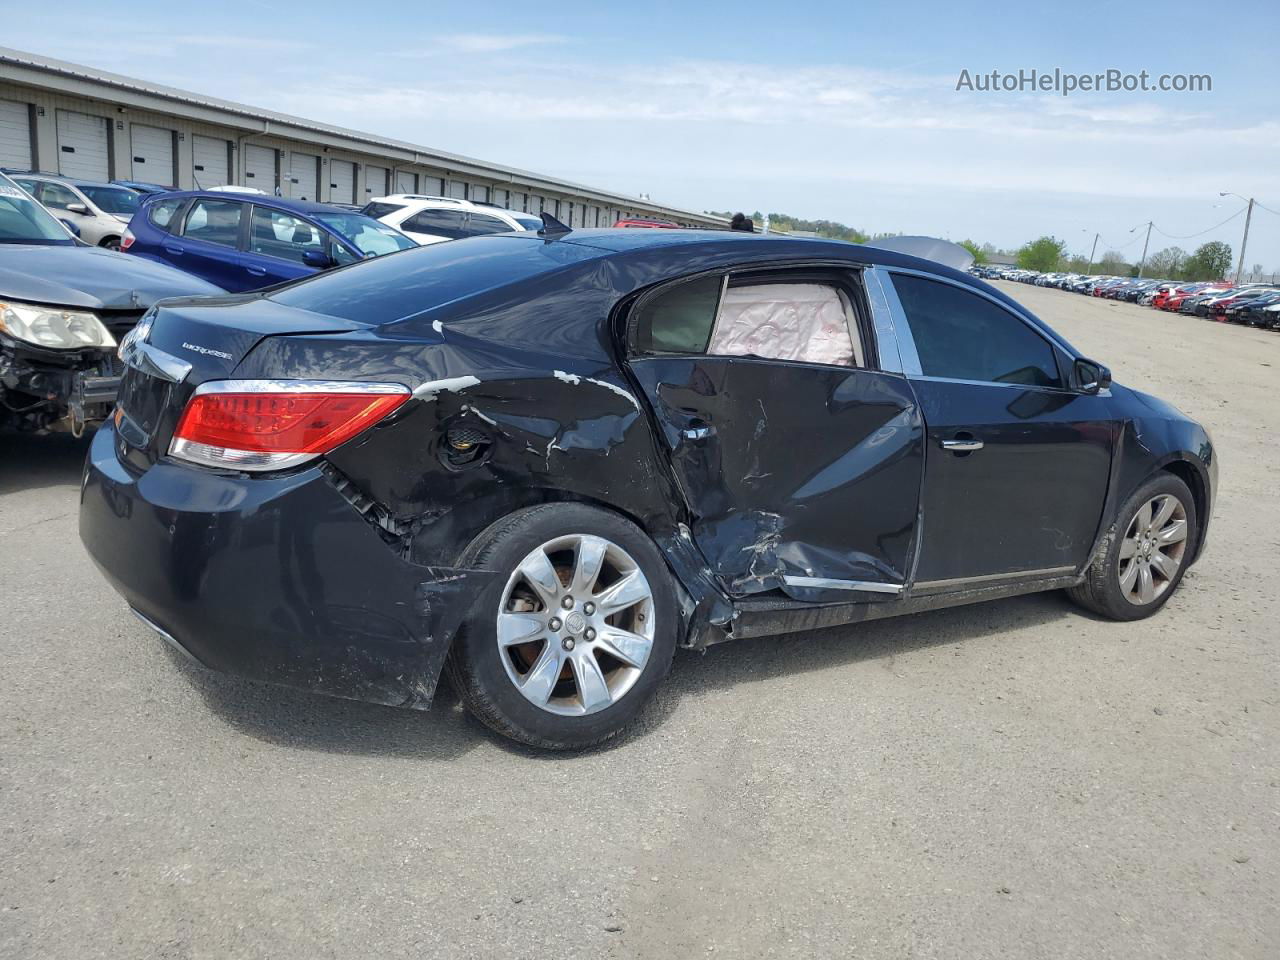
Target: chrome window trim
{"x": 298, "y": 386}
{"x": 825, "y": 583}
{"x": 891, "y": 321}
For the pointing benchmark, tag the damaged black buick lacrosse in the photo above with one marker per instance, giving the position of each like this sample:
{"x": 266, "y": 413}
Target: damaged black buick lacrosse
{"x": 547, "y": 460}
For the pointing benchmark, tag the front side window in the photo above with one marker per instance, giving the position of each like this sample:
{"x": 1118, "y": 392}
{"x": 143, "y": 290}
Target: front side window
{"x": 115, "y": 200}
{"x": 378, "y": 209}
{"x": 963, "y": 336}
{"x": 274, "y": 233}
{"x": 56, "y": 196}
{"x": 438, "y": 223}
{"x": 214, "y": 221}
{"x": 370, "y": 237}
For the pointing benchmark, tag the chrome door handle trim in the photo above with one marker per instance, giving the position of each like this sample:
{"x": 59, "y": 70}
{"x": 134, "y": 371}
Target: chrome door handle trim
{"x": 961, "y": 446}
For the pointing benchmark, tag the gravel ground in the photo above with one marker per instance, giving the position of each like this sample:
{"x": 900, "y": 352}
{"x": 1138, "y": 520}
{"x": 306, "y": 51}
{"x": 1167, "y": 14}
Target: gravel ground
{"x": 1013, "y": 779}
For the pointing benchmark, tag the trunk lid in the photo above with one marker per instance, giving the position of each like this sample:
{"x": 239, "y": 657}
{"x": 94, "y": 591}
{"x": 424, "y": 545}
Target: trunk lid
{"x": 212, "y": 336}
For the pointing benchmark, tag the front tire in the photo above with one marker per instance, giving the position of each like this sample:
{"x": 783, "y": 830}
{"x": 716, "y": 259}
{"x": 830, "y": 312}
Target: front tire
{"x": 569, "y": 642}
{"x": 1144, "y": 554}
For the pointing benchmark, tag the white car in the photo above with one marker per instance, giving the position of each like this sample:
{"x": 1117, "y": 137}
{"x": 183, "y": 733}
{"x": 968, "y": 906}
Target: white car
{"x": 98, "y": 211}
{"x": 435, "y": 219}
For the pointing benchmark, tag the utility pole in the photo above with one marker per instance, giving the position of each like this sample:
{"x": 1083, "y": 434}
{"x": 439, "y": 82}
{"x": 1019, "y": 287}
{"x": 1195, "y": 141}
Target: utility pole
{"x": 1092, "y": 253}
{"x": 1145, "y": 244}
{"x": 1245, "y": 242}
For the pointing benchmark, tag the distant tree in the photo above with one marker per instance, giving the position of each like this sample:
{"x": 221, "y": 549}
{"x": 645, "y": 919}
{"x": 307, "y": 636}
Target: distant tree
{"x": 1077, "y": 265}
{"x": 1165, "y": 263}
{"x": 979, "y": 253}
{"x": 1042, "y": 254}
{"x": 1113, "y": 263}
{"x": 1256, "y": 271}
{"x": 823, "y": 228}
{"x": 1211, "y": 261}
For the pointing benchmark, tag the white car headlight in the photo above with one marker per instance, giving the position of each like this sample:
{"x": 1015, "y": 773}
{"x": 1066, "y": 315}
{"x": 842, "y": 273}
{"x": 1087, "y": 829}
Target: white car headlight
{"x": 53, "y": 327}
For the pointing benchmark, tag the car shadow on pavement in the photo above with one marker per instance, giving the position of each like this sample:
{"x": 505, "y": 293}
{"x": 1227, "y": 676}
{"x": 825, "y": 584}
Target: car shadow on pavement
{"x": 28, "y": 461}
{"x": 302, "y": 720}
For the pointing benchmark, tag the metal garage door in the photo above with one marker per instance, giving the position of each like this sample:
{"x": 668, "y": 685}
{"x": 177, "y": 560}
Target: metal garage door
{"x": 83, "y": 146}
{"x": 342, "y": 181}
{"x": 152, "y": 154}
{"x": 15, "y": 135}
{"x": 260, "y": 168}
{"x": 304, "y": 179}
{"x": 457, "y": 189}
{"x": 375, "y": 179}
{"x": 406, "y": 182}
{"x": 210, "y": 161}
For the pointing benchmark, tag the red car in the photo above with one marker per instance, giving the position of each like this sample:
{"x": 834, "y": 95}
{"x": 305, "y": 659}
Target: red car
{"x": 646, "y": 222}
{"x": 1173, "y": 300}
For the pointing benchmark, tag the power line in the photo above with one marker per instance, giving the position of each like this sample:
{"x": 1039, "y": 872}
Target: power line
{"x": 1189, "y": 236}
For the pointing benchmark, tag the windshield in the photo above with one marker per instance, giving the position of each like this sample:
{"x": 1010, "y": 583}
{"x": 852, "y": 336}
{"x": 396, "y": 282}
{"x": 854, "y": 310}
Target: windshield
{"x": 112, "y": 199}
{"x": 22, "y": 220}
{"x": 366, "y": 234}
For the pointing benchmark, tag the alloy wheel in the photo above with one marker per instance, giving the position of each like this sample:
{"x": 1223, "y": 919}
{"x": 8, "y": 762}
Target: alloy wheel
{"x": 575, "y": 625}
{"x": 1152, "y": 549}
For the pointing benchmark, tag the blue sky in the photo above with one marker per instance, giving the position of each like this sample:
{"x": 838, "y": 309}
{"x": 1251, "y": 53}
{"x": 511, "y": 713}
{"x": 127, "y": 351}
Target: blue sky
{"x": 838, "y": 110}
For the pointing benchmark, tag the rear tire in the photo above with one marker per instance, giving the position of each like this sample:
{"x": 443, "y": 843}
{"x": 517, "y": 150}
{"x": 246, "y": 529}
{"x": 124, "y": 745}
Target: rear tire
{"x": 569, "y": 642}
{"x": 1144, "y": 554}
{"x": 110, "y": 243}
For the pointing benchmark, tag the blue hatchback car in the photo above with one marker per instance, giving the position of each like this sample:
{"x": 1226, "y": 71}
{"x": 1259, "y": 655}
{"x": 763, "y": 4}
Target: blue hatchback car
{"x": 247, "y": 241}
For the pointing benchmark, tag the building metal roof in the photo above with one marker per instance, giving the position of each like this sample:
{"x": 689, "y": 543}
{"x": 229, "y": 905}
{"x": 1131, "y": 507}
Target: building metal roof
{"x": 31, "y": 69}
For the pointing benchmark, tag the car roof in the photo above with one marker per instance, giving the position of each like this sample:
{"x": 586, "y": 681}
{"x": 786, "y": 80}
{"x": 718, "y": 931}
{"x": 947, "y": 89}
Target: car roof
{"x": 58, "y": 178}
{"x": 309, "y": 207}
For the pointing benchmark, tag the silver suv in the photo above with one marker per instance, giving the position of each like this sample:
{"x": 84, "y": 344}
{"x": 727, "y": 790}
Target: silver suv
{"x": 99, "y": 212}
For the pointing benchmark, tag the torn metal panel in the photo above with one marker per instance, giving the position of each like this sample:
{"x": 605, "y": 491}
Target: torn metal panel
{"x": 807, "y": 472}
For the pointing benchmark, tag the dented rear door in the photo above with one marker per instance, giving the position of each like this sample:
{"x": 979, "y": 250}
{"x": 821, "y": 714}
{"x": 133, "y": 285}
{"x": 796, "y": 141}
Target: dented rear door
{"x": 800, "y": 477}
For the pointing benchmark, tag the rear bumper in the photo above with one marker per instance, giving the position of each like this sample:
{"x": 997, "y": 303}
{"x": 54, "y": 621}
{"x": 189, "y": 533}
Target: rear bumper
{"x": 277, "y": 579}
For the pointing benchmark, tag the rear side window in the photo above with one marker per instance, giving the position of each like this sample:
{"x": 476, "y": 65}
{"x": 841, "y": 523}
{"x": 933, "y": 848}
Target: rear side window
{"x": 680, "y": 319}
{"x": 806, "y": 322}
{"x": 214, "y": 221}
{"x": 482, "y": 223}
{"x": 963, "y": 336}
{"x": 801, "y": 322}
{"x": 438, "y": 223}
{"x": 380, "y": 210}
{"x": 162, "y": 212}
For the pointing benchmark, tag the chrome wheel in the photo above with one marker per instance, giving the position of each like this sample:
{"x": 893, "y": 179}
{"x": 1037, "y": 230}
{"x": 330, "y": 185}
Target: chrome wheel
{"x": 576, "y": 625}
{"x": 1152, "y": 549}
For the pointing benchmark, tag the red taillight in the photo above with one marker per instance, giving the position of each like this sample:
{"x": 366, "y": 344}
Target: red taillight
{"x": 126, "y": 239}
{"x": 269, "y": 425}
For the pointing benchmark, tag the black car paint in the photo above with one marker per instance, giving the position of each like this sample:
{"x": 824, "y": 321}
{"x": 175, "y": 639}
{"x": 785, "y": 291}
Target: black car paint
{"x": 537, "y": 368}
{"x": 46, "y": 382}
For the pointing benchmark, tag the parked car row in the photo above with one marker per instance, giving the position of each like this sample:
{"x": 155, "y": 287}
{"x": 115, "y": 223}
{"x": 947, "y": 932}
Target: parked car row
{"x": 1251, "y": 304}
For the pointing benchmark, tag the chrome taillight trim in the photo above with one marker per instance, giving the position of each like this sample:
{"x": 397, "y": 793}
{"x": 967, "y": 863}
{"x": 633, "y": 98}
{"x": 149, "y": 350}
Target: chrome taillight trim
{"x": 229, "y": 458}
{"x": 299, "y": 386}
{"x": 257, "y": 461}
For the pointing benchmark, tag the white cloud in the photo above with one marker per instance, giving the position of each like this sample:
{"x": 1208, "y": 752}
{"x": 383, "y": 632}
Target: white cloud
{"x": 497, "y": 42}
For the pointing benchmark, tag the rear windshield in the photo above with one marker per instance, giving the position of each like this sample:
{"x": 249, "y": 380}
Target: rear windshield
{"x": 387, "y": 289}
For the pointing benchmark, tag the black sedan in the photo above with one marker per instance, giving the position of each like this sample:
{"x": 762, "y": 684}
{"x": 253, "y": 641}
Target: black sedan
{"x": 546, "y": 461}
